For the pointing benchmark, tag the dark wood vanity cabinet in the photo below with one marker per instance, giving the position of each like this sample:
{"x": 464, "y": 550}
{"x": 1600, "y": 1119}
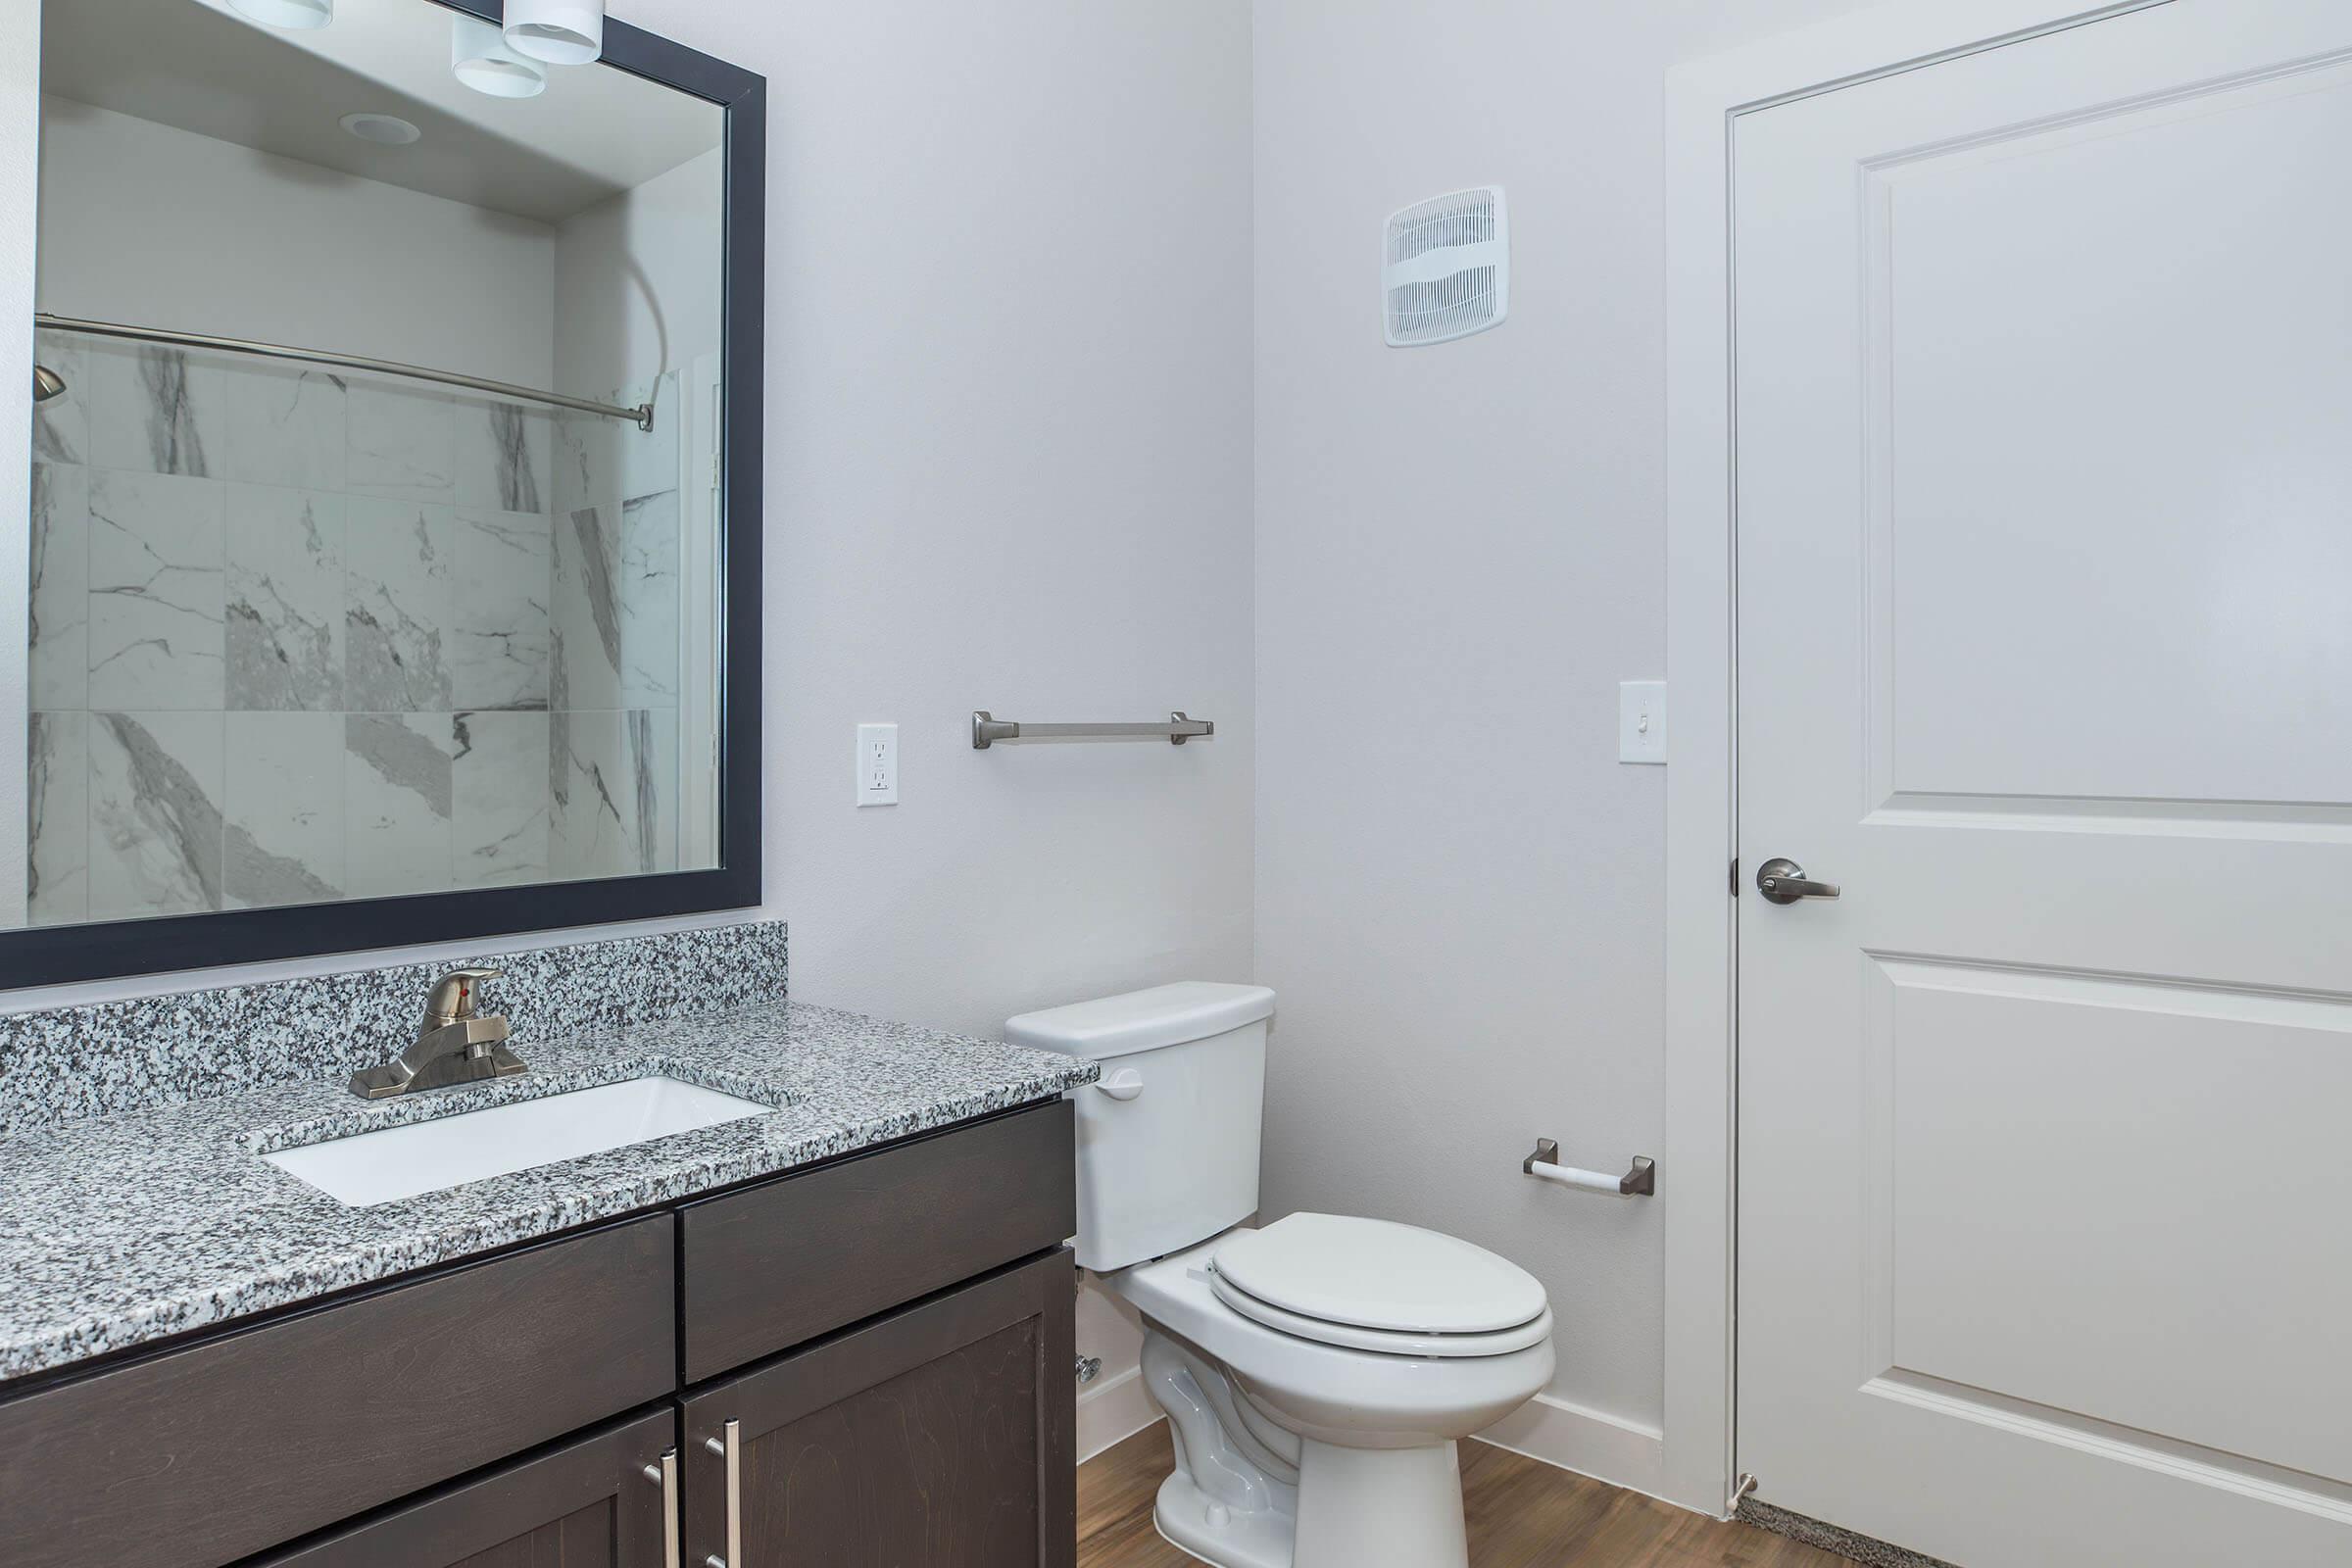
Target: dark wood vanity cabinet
{"x": 776, "y": 1265}
{"x": 219, "y": 1448}
{"x": 594, "y": 1503}
{"x": 890, "y": 1334}
{"x": 942, "y": 1434}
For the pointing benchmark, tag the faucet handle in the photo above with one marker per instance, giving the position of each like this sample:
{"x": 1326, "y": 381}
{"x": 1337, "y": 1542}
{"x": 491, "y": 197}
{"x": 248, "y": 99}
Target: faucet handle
{"x": 453, "y": 996}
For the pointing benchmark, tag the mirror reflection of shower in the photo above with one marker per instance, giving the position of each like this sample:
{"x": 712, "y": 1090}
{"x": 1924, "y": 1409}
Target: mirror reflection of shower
{"x": 400, "y": 576}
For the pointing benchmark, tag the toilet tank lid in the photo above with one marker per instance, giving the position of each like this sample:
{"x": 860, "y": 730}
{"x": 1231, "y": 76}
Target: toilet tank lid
{"x": 1141, "y": 1020}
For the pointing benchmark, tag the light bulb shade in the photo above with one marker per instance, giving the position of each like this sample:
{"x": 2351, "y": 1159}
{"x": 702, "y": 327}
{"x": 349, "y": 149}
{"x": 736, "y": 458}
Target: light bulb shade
{"x": 561, "y": 32}
{"x": 299, "y": 14}
{"x": 479, "y": 56}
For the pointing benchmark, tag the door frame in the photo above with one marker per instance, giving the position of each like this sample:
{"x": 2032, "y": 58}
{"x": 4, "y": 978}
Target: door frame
{"x": 1705, "y": 99}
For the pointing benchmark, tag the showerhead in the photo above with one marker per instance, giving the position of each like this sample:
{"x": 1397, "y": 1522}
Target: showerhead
{"x": 46, "y": 384}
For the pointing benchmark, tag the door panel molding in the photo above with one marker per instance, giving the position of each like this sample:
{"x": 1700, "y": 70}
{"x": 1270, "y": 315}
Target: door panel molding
{"x": 2299, "y": 822}
{"x": 2067, "y": 1153}
{"x": 2327, "y": 1501}
{"x": 1704, "y": 98}
{"x": 2155, "y": 1118}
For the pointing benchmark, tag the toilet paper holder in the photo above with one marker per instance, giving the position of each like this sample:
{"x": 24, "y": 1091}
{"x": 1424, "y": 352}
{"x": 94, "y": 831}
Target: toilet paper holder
{"x": 1641, "y": 1181}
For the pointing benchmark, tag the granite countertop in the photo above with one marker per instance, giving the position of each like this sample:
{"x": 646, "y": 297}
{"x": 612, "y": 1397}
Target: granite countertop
{"x": 123, "y": 1229}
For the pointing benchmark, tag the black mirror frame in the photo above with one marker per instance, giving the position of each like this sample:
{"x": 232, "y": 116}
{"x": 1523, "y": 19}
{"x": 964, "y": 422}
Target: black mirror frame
{"x": 56, "y": 955}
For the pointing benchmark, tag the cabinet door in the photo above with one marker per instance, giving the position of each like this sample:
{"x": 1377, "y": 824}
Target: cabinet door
{"x": 941, "y": 1436}
{"x": 261, "y": 1435}
{"x": 596, "y": 1502}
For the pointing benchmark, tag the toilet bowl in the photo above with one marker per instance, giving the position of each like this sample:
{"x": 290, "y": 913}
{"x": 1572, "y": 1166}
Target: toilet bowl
{"x": 1317, "y": 1372}
{"x": 1297, "y": 1451}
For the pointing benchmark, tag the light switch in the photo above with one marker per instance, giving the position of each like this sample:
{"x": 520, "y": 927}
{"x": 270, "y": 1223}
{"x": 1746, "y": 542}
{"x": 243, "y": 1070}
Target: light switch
{"x": 877, "y": 764}
{"x": 1642, "y": 722}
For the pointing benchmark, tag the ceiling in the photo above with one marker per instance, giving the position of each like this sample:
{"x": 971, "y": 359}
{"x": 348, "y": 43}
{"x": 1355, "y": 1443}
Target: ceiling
{"x": 200, "y": 67}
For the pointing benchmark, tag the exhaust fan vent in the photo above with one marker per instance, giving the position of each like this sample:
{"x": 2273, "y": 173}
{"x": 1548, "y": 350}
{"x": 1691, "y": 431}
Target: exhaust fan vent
{"x": 1445, "y": 268}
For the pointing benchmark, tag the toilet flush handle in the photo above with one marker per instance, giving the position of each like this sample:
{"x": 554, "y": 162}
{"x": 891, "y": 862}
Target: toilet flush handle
{"x": 1125, "y": 1084}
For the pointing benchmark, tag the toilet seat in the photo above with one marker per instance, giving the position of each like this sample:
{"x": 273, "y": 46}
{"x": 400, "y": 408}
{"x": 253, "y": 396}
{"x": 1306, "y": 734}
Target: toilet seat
{"x": 1375, "y": 1285}
{"x": 1381, "y": 1342}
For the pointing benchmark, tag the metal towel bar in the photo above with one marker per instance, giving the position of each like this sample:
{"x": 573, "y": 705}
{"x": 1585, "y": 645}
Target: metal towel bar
{"x": 988, "y": 729}
{"x": 1640, "y": 1181}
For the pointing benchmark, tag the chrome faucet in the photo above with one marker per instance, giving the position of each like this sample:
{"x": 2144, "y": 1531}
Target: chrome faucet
{"x": 456, "y": 1046}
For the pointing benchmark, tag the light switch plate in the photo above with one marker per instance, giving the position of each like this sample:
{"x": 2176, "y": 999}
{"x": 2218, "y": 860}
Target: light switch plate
{"x": 1642, "y": 722}
{"x": 877, "y": 764}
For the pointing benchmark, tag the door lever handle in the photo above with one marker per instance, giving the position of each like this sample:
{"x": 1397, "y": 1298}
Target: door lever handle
{"x": 1783, "y": 881}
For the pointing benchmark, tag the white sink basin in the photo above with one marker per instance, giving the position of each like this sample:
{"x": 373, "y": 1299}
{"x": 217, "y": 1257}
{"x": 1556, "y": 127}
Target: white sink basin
{"x": 427, "y": 1157}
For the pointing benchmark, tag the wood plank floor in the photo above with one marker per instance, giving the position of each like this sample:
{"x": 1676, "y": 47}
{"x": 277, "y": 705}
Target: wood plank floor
{"x": 1522, "y": 1516}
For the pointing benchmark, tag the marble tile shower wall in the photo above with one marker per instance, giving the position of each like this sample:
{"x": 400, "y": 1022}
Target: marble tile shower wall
{"x": 301, "y": 636}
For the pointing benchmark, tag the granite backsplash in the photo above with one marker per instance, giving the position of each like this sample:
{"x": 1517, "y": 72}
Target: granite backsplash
{"x": 66, "y": 1063}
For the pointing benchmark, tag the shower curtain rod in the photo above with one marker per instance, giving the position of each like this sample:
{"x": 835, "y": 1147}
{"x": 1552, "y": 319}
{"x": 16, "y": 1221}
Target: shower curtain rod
{"x": 641, "y": 416}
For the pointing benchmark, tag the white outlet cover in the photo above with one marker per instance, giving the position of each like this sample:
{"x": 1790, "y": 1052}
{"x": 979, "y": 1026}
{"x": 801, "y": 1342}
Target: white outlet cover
{"x": 1642, "y": 722}
{"x": 877, "y": 774}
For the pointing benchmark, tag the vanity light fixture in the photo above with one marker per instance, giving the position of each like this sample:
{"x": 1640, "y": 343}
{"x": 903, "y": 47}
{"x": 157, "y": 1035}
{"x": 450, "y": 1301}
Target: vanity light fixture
{"x": 479, "y": 54}
{"x": 561, "y": 32}
{"x": 301, "y": 15}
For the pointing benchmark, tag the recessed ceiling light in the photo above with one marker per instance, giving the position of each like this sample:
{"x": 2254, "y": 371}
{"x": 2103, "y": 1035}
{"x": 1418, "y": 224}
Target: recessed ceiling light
{"x": 385, "y": 131}
{"x": 299, "y": 14}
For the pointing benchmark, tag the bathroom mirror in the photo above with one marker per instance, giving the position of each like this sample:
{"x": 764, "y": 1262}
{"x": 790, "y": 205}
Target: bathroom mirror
{"x": 393, "y": 563}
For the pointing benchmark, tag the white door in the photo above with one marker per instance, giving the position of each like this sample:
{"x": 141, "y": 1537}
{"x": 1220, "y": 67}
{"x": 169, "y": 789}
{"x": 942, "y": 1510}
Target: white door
{"x": 2045, "y": 494}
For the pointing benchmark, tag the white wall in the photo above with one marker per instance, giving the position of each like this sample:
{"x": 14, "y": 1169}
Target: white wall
{"x": 639, "y": 280}
{"x": 1008, "y": 467}
{"x": 147, "y": 223}
{"x": 1460, "y": 552}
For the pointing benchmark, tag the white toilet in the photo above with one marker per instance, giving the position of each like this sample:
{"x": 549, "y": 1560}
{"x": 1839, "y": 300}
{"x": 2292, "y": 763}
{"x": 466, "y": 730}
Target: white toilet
{"x": 1317, "y": 1372}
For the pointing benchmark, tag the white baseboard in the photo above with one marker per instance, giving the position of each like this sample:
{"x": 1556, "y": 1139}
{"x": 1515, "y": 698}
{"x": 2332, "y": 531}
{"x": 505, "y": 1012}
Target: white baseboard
{"x": 1604, "y": 1446}
{"x": 1113, "y": 1410}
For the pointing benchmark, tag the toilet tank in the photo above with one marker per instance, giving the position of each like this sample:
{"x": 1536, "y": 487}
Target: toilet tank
{"x": 1168, "y": 1141}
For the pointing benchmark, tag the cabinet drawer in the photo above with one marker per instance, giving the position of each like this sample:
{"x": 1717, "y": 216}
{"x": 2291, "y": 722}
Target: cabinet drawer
{"x": 196, "y": 1457}
{"x": 587, "y": 1504}
{"x": 774, "y": 1266}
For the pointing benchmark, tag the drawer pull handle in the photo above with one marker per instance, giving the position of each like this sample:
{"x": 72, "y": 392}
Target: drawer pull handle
{"x": 666, "y": 1475}
{"x": 732, "y": 1450}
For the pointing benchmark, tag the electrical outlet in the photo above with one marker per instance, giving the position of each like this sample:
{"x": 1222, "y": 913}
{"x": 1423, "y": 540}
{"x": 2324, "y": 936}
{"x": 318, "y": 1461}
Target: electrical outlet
{"x": 1640, "y": 721}
{"x": 877, "y": 764}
